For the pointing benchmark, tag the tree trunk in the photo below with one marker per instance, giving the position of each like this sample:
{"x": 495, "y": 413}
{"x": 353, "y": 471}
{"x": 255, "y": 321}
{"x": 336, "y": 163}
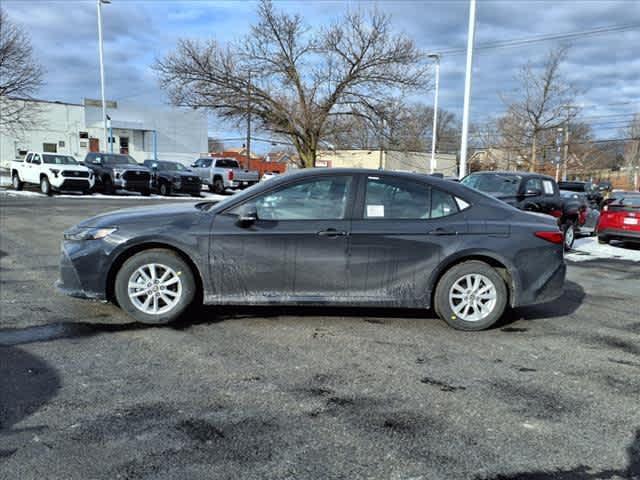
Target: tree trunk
{"x": 307, "y": 156}
{"x": 532, "y": 160}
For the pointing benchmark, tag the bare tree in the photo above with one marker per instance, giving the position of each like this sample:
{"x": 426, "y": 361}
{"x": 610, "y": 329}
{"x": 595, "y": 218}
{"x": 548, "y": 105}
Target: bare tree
{"x": 539, "y": 105}
{"x": 20, "y": 77}
{"x": 293, "y": 79}
{"x": 632, "y": 149}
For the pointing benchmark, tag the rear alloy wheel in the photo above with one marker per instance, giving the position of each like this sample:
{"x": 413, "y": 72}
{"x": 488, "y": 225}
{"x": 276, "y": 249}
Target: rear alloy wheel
{"x": 155, "y": 286}
{"x": 45, "y": 186}
{"x": 471, "y": 296}
{"x": 15, "y": 181}
{"x": 569, "y": 233}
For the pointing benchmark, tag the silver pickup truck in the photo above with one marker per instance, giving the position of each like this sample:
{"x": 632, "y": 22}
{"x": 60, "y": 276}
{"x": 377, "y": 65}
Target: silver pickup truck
{"x": 222, "y": 173}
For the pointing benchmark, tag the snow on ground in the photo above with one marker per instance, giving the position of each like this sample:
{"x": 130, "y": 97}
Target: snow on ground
{"x": 123, "y": 195}
{"x": 585, "y": 249}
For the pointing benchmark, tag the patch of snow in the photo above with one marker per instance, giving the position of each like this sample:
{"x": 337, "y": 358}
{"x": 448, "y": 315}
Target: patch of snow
{"x": 585, "y": 249}
{"x": 5, "y": 181}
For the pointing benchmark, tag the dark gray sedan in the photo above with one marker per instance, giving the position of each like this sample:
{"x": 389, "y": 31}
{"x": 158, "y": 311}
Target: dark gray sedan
{"x": 322, "y": 237}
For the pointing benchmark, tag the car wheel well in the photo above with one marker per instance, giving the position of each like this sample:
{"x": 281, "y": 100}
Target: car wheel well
{"x": 43, "y": 175}
{"x": 501, "y": 268}
{"x": 127, "y": 254}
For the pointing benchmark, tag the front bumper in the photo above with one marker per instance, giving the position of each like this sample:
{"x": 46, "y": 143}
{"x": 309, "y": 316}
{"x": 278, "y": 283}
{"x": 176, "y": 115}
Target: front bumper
{"x": 83, "y": 270}
{"x": 132, "y": 186}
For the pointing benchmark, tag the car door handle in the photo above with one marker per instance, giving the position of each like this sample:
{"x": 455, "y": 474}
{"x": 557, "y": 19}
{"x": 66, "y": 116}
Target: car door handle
{"x": 442, "y": 231}
{"x": 331, "y": 232}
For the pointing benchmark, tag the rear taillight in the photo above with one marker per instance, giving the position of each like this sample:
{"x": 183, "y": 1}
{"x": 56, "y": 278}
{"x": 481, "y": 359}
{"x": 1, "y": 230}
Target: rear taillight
{"x": 230, "y": 175}
{"x": 549, "y": 236}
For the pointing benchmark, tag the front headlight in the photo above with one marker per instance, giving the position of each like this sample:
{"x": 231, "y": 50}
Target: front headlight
{"x": 88, "y": 233}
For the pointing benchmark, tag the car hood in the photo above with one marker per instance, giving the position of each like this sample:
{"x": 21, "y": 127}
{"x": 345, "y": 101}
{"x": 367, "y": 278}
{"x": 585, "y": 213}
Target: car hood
{"x": 172, "y": 173}
{"x": 68, "y": 168}
{"x": 158, "y": 215}
{"x": 130, "y": 167}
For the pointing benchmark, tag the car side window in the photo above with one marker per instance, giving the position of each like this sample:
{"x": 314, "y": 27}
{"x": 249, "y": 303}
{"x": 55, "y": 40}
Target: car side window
{"x": 207, "y": 162}
{"x": 533, "y": 184}
{"x": 29, "y": 157}
{"x": 394, "y": 198}
{"x": 444, "y": 204}
{"x": 323, "y": 198}
{"x": 548, "y": 187}
{"x": 36, "y": 159}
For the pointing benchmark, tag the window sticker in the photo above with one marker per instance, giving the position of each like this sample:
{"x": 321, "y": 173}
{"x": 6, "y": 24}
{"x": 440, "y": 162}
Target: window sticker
{"x": 548, "y": 187}
{"x": 375, "y": 211}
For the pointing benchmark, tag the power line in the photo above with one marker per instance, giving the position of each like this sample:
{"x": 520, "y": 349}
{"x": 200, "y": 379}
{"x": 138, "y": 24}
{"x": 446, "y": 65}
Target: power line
{"x": 541, "y": 38}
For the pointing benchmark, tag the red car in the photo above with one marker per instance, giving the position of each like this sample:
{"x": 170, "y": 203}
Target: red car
{"x": 620, "y": 218}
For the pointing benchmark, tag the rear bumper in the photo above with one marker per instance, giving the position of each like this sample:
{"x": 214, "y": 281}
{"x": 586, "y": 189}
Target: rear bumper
{"x": 619, "y": 234}
{"x": 547, "y": 289}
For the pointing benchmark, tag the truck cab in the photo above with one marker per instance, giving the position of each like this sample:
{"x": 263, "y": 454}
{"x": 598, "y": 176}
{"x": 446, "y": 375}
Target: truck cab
{"x": 52, "y": 172}
{"x": 224, "y": 173}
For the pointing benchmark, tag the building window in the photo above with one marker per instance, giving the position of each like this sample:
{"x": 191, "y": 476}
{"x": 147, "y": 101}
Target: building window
{"x": 84, "y": 134}
{"x": 61, "y": 143}
{"x": 50, "y": 147}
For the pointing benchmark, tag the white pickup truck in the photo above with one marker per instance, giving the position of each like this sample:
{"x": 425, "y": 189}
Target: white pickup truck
{"x": 222, "y": 173}
{"x": 52, "y": 171}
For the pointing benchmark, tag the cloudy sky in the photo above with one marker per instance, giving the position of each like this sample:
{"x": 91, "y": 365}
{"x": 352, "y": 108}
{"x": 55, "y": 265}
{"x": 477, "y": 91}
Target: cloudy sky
{"x": 605, "y": 66}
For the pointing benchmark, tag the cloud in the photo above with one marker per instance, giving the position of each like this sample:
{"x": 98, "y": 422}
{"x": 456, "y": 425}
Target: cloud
{"x": 604, "y": 67}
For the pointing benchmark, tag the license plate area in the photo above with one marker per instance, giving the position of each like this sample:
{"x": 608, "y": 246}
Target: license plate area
{"x": 630, "y": 221}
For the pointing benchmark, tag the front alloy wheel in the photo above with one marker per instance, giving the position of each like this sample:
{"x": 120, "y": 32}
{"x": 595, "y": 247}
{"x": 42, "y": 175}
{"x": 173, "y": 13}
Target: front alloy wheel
{"x": 155, "y": 286}
{"x": 45, "y": 186}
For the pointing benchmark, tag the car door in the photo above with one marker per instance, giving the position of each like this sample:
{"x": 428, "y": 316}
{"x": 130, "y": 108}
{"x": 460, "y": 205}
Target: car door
{"x": 296, "y": 250}
{"x": 400, "y": 229}
{"x": 26, "y": 168}
{"x": 202, "y": 167}
{"x": 33, "y": 171}
{"x": 533, "y": 195}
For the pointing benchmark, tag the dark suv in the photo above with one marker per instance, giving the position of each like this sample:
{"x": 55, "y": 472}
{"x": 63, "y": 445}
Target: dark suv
{"x": 532, "y": 192}
{"x": 169, "y": 177}
{"x": 594, "y": 195}
{"x": 113, "y": 170}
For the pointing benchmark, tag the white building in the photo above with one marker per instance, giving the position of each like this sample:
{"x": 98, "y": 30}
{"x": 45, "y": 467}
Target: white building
{"x": 77, "y": 129}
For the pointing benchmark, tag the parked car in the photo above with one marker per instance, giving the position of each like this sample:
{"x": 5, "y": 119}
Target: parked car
{"x": 578, "y": 216}
{"x": 52, "y": 171}
{"x": 620, "y": 218}
{"x": 594, "y": 195}
{"x": 322, "y": 237}
{"x": 173, "y": 177}
{"x": 114, "y": 170}
{"x": 223, "y": 173}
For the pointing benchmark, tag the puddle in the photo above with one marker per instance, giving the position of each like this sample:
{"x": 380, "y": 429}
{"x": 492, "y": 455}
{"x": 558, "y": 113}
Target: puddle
{"x": 56, "y": 331}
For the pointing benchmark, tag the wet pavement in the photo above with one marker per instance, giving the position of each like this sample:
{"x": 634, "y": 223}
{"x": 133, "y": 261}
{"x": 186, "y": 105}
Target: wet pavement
{"x": 254, "y": 393}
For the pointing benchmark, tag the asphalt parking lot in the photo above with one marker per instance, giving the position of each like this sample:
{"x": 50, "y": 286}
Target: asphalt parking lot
{"x": 292, "y": 393}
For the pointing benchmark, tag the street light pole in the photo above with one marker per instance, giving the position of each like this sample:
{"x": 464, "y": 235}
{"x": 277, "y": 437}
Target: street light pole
{"x": 467, "y": 88}
{"x": 101, "y": 54}
{"x": 432, "y": 166}
{"x": 249, "y": 121}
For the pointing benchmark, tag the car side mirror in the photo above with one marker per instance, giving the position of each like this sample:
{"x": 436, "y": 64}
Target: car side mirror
{"x": 532, "y": 192}
{"x": 193, "y": 165}
{"x": 247, "y": 215}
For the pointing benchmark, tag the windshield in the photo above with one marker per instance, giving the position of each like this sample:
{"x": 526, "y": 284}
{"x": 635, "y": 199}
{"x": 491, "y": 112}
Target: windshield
{"x": 171, "y": 166}
{"x": 493, "y": 183}
{"x": 632, "y": 201}
{"x": 120, "y": 160}
{"x": 59, "y": 159}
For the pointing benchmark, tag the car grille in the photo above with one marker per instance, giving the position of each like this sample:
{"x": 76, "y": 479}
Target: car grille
{"x": 74, "y": 183}
{"x": 190, "y": 180}
{"x": 74, "y": 174}
{"x": 135, "y": 176}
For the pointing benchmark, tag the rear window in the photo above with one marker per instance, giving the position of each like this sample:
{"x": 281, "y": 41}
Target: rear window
{"x": 624, "y": 202}
{"x": 493, "y": 183}
{"x": 227, "y": 164}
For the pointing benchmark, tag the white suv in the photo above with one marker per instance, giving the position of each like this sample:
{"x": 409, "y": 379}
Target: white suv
{"x": 52, "y": 171}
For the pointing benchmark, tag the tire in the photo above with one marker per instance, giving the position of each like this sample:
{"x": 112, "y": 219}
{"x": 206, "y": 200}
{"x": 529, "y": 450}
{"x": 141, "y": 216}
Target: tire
{"x": 569, "y": 235}
{"x": 183, "y": 291}
{"x": 15, "y": 181}
{"x": 165, "y": 189}
{"x": 108, "y": 186}
{"x": 459, "y": 275}
{"x": 602, "y": 240}
{"x": 218, "y": 186}
{"x": 45, "y": 186}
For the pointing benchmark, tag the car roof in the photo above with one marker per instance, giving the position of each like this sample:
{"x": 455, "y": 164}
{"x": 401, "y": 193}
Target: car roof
{"x": 512, "y": 172}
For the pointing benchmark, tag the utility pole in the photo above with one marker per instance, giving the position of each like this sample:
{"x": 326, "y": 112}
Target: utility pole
{"x": 249, "y": 122}
{"x": 558, "y": 143}
{"x": 101, "y": 55}
{"x": 566, "y": 142}
{"x": 434, "y": 136}
{"x": 467, "y": 88}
